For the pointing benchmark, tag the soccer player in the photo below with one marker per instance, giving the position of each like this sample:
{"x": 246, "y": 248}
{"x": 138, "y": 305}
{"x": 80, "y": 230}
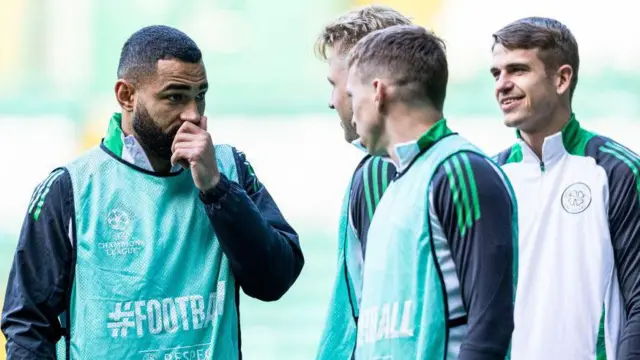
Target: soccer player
{"x": 439, "y": 276}
{"x": 138, "y": 248}
{"x": 578, "y": 205}
{"x": 369, "y": 180}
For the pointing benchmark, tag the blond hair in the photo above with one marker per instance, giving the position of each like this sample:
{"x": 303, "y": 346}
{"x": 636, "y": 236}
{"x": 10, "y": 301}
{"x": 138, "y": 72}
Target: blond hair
{"x": 349, "y": 28}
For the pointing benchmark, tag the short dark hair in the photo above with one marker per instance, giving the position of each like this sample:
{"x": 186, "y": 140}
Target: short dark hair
{"x": 554, "y": 41}
{"x": 142, "y": 51}
{"x": 413, "y": 57}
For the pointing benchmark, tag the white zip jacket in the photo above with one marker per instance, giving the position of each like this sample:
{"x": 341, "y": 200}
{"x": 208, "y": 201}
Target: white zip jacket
{"x": 579, "y": 247}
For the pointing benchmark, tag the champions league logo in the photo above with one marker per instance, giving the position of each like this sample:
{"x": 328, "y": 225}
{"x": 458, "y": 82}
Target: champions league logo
{"x": 120, "y": 242}
{"x": 118, "y": 220}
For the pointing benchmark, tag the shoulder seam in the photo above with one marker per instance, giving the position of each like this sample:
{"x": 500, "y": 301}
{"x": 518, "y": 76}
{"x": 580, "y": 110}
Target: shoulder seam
{"x": 41, "y": 192}
{"x": 623, "y": 155}
{"x": 240, "y": 168}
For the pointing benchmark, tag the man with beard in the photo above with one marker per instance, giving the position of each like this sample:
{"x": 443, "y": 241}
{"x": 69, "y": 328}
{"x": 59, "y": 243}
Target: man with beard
{"x": 139, "y": 248}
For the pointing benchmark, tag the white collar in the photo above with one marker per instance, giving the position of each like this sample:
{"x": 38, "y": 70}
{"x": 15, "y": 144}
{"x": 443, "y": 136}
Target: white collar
{"x": 406, "y": 153}
{"x": 133, "y": 153}
{"x": 552, "y": 150}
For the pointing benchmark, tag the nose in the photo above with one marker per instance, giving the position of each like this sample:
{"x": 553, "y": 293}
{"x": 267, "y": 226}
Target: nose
{"x": 191, "y": 113}
{"x": 333, "y": 99}
{"x": 503, "y": 85}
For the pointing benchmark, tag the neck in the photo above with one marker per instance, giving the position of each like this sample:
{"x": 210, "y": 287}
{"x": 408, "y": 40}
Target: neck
{"x": 161, "y": 166}
{"x": 407, "y": 124}
{"x": 535, "y": 139}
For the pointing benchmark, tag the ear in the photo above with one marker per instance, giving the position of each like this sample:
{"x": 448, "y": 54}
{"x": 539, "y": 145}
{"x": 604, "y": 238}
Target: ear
{"x": 379, "y": 93}
{"x": 125, "y": 92}
{"x": 564, "y": 75}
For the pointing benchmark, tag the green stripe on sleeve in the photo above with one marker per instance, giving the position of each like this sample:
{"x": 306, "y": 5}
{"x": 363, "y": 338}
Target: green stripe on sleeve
{"x": 36, "y": 214}
{"x": 606, "y": 149}
{"x": 367, "y": 191}
{"x": 252, "y": 173}
{"x": 465, "y": 196}
{"x": 475, "y": 202}
{"x": 375, "y": 170}
{"x": 41, "y": 188}
{"x": 456, "y": 195}
{"x": 631, "y": 156}
{"x": 385, "y": 179}
{"x": 37, "y": 192}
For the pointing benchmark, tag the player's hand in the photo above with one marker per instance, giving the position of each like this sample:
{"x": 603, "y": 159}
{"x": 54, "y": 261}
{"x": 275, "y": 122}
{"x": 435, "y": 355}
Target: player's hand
{"x": 193, "y": 149}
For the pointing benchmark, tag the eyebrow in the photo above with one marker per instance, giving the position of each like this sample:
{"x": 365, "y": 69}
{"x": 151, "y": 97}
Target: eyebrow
{"x": 517, "y": 64}
{"x": 511, "y": 66}
{"x": 330, "y": 81}
{"x": 183, "y": 87}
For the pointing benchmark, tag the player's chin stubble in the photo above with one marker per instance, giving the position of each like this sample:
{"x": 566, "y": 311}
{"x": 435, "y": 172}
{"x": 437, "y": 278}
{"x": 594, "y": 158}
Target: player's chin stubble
{"x": 350, "y": 133}
{"x": 155, "y": 141}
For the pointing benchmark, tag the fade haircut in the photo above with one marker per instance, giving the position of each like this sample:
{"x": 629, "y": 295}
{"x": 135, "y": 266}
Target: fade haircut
{"x": 349, "y": 28}
{"x": 556, "y": 45}
{"x": 142, "y": 51}
{"x": 410, "y": 56}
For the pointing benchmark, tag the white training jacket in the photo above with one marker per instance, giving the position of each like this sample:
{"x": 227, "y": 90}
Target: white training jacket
{"x": 579, "y": 247}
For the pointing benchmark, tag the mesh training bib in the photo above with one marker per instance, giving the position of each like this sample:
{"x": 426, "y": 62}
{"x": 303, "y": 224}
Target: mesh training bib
{"x": 339, "y": 336}
{"x": 151, "y": 281}
{"x": 404, "y": 312}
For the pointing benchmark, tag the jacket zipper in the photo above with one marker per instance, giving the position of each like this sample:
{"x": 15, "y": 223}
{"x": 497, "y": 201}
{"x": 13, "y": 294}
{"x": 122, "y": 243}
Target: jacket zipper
{"x": 541, "y": 189}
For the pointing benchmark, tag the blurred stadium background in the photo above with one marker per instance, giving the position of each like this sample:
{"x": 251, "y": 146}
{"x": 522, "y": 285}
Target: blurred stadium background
{"x": 58, "y": 61}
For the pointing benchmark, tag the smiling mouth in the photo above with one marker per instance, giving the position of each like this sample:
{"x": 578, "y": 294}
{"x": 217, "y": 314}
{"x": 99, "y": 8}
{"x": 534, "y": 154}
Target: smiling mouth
{"x": 508, "y": 100}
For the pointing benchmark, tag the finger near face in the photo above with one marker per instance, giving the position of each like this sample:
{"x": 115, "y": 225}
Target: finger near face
{"x": 175, "y": 157}
{"x": 181, "y": 157}
{"x": 185, "y": 137}
{"x": 181, "y": 139}
{"x": 203, "y": 123}
{"x": 199, "y": 145}
{"x": 185, "y": 146}
{"x": 189, "y": 127}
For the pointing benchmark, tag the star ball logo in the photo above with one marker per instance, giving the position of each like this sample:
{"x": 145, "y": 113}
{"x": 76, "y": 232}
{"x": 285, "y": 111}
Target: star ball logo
{"x": 576, "y": 198}
{"x": 119, "y": 241}
{"x": 118, "y": 220}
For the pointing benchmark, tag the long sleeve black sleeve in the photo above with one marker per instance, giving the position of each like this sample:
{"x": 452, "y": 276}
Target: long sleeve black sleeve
{"x": 370, "y": 181}
{"x": 39, "y": 278}
{"x": 263, "y": 249}
{"x": 624, "y": 226}
{"x": 475, "y": 209}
